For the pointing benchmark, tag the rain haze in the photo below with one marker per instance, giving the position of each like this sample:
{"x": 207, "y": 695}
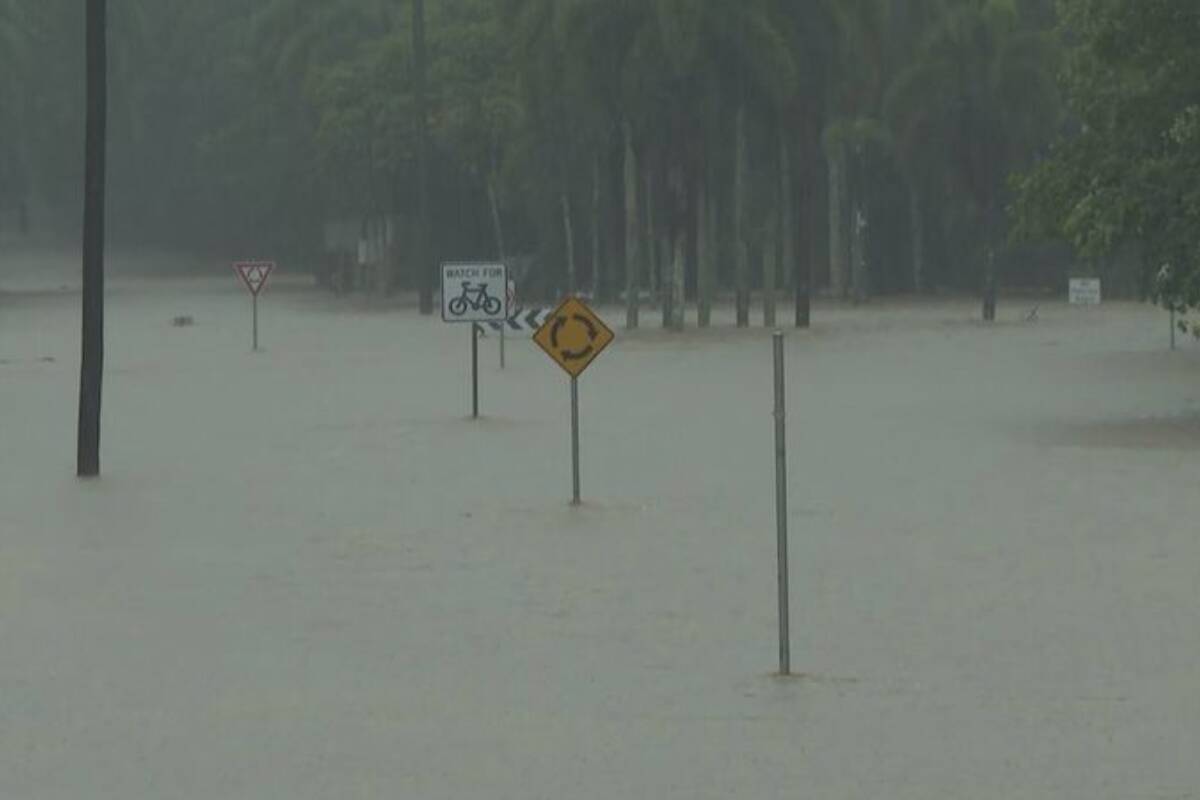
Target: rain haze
{"x": 599, "y": 399}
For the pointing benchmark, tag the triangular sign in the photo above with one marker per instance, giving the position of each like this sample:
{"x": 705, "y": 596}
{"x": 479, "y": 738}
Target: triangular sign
{"x": 254, "y": 274}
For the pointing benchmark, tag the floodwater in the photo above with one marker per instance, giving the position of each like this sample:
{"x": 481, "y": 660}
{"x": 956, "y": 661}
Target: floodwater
{"x": 307, "y": 574}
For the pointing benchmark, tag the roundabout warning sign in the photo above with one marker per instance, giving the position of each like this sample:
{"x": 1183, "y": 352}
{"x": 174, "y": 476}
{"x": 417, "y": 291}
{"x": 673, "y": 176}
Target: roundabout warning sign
{"x": 573, "y": 336}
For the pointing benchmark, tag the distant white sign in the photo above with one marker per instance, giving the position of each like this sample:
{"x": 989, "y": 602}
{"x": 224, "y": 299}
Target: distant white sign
{"x": 474, "y": 293}
{"x": 1085, "y": 292}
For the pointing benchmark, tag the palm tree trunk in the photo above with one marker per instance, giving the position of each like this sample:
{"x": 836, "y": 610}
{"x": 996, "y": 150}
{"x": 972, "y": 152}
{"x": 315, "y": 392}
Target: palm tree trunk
{"x": 654, "y": 272}
{"x": 632, "y": 234}
{"x": 838, "y": 284}
{"x": 742, "y": 266}
{"x": 425, "y": 265}
{"x": 678, "y": 282}
{"x": 704, "y": 254}
{"x": 989, "y": 286}
{"x": 569, "y": 235}
{"x": 497, "y": 222}
{"x": 374, "y": 282}
{"x": 916, "y": 217}
{"x": 858, "y": 254}
{"x": 715, "y": 244}
{"x": 787, "y": 229}
{"x": 381, "y": 233}
{"x": 596, "y": 197}
{"x": 91, "y": 375}
{"x": 804, "y": 257}
{"x": 770, "y": 266}
{"x": 666, "y": 261}
{"x": 814, "y": 219}
{"x": 678, "y": 247}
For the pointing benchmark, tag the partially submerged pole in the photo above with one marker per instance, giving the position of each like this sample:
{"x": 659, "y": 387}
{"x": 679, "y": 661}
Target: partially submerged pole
{"x": 91, "y": 374}
{"x": 781, "y": 508}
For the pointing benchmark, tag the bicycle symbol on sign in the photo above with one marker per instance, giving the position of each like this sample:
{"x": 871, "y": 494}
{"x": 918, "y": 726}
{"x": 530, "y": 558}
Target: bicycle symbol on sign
{"x": 475, "y": 298}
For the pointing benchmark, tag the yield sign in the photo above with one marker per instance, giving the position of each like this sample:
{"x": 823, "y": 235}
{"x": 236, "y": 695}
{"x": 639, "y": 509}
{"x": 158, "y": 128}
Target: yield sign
{"x": 254, "y": 274}
{"x": 573, "y": 336}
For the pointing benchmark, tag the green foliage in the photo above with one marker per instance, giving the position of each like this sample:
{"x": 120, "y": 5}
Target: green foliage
{"x": 1129, "y": 172}
{"x": 248, "y": 126}
{"x": 976, "y": 102}
{"x": 14, "y": 55}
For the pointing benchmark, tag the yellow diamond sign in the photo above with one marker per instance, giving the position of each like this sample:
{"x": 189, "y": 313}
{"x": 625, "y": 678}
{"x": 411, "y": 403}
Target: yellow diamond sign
{"x": 573, "y": 336}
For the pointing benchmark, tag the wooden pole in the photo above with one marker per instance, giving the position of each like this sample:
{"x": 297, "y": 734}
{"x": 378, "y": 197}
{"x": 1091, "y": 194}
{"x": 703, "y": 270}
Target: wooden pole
{"x": 91, "y": 376}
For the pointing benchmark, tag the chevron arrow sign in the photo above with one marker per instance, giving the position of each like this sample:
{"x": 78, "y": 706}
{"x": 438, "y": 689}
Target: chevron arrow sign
{"x": 523, "y": 322}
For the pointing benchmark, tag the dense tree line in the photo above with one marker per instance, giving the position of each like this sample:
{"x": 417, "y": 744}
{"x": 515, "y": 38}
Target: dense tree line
{"x": 676, "y": 148}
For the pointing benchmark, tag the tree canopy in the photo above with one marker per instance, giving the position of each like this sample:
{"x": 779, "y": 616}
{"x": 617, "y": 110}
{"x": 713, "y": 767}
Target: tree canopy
{"x": 1125, "y": 176}
{"x": 853, "y": 143}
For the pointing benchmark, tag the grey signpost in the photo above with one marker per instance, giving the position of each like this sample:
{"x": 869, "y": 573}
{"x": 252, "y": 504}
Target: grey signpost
{"x": 577, "y": 497}
{"x": 781, "y": 506}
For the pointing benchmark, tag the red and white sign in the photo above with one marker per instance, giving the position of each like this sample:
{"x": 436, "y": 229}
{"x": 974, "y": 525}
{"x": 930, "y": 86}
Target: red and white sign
{"x": 254, "y": 274}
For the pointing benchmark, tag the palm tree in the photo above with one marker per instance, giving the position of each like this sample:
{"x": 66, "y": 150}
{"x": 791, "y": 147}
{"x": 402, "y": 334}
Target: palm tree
{"x": 14, "y": 62}
{"x": 92, "y": 369}
{"x": 657, "y": 75}
{"x": 755, "y": 75}
{"x": 337, "y": 78}
{"x": 479, "y": 108}
{"x": 296, "y": 35}
{"x": 812, "y": 31}
{"x": 606, "y": 36}
{"x": 852, "y": 106}
{"x": 975, "y": 104}
{"x": 608, "y": 39}
{"x": 13, "y": 48}
{"x": 722, "y": 54}
{"x": 917, "y": 152}
{"x": 546, "y": 59}
{"x": 633, "y": 236}
{"x": 875, "y": 39}
{"x": 425, "y": 265}
{"x": 13, "y": 41}
{"x": 666, "y": 73}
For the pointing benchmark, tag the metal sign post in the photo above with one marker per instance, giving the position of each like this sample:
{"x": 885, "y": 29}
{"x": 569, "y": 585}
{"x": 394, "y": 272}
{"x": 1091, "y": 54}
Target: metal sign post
{"x": 475, "y": 371}
{"x": 475, "y": 294}
{"x": 574, "y": 336}
{"x": 576, "y": 498}
{"x": 1172, "y": 327}
{"x": 781, "y": 512}
{"x": 254, "y": 314}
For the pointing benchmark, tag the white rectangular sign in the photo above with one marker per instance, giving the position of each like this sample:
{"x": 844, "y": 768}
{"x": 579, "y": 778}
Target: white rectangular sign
{"x": 474, "y": 292}
{"x": 1085, "y": 292}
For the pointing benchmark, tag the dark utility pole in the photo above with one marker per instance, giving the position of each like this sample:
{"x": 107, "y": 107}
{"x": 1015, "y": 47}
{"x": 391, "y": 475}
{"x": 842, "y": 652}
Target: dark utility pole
{"x": 425, "y": 267}
{"x": 92, "y": 370}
